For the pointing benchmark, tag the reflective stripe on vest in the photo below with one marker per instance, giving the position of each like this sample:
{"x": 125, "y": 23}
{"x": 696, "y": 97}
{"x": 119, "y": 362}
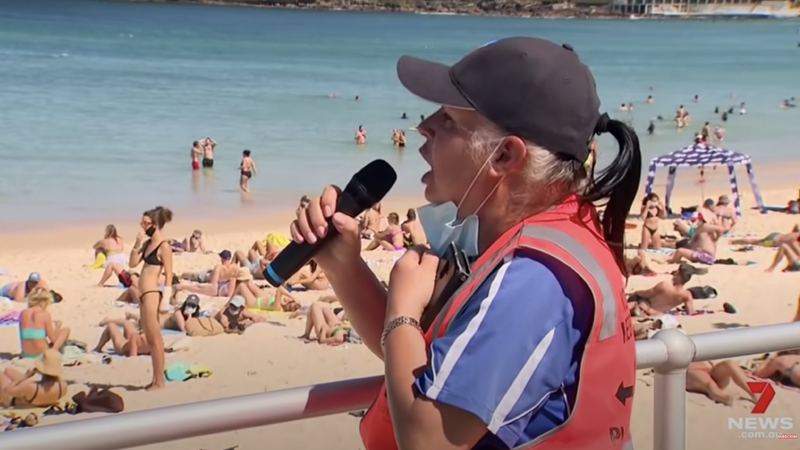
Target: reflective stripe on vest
{"x": 608, "y": 327}
{"x": 570, "y": 245}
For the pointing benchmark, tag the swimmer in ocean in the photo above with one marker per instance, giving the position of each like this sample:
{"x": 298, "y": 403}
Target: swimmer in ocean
{"x": 649, "y": 99}
{"x": 361, "y": 135}
{"x": 208, "y": 145}
{"x": 247, "y": 168}
{"x": 651, "y": 128}
{"x": 404, "y": 116}
{"x": 195, "y": 155}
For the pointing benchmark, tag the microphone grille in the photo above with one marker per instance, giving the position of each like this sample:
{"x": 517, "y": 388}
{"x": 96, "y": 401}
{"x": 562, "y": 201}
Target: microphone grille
{"x": 377, "y": 178}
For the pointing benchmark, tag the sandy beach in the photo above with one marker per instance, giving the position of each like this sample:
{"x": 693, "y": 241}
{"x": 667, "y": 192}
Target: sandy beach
{"x": 269, "y": 357}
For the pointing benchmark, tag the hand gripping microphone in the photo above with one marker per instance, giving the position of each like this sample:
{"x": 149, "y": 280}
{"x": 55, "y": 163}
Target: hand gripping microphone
{"x": 366, "y": 188}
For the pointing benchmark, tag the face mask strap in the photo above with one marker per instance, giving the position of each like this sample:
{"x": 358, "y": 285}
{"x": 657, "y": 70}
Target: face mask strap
{"x": 475, "y": 179}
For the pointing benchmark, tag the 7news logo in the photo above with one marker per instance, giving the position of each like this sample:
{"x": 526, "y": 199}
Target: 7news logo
{"x": 762, "y": 423}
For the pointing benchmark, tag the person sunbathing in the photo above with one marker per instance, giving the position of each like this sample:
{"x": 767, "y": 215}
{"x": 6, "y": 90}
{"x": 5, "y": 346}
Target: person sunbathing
{"x": 256, "y": 298}
{"x": 389, "y": 239}
{"x": 19, "y": 290}
{"x": 24, "y": 390}
{"x": 726, "y": 213}
{"x": 271, "y": 245}
{"x": 711, "y": 380}
{"x": 235, "y": 317}
{"x": 128, "y": 342}
{"x": 37, "y": 330}
{"x": 216, "y": 282}
{"x": 310, "y": 277}
{"x": 781, "y": 367}
{"x": 323, "y": 322}
{"x": 665, "y": 296}
{"x": 112, "y": 247}
{"x": 175, "y": 321}
{"x": 791, "y": 252}
{"x": 638, "y": 265}
{"x": 702, "y": 246}
{"x": 770, "y": 240}
{"x": 253, "y": 261}
{"x": 413, "y": 234}
{"x": 370, "y": 224}
{"x": 193, "y": 243}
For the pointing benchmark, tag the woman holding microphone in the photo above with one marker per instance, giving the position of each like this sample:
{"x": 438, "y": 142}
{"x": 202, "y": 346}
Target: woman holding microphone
{"x": 531, "y": 343}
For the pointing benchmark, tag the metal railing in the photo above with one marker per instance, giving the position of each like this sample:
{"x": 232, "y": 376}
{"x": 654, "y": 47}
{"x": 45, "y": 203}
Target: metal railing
{"x": 669, "y": 352}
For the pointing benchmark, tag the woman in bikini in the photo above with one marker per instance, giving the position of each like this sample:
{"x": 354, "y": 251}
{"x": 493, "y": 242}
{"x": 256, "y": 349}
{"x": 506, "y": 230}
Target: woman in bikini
{"x": 391, "y": 238}
{"x": 247, "y": 168}
{"x": 37, "y": 330}
{"x": 23, "y": 390}
{"x": 328, "y": 328}
{"x": 112, "y": 247}
{"x": 256, "y": 298}
{"x": 711, "y": 380}
{"x": 156, "y": 253}
{"x": 781, "y": 367}
{"x": 652, "y": 212}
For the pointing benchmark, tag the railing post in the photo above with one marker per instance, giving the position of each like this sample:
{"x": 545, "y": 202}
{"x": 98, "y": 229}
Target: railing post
{"x": 669, "y": 418}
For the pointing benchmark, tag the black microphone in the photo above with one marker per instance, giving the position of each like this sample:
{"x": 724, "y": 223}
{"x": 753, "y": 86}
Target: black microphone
{"x": 365, "y": 189}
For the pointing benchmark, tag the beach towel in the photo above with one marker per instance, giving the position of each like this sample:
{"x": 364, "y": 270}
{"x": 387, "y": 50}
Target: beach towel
{"x": 73, "y": 355}
{"x": 4, "y": 271}
{"x": 661, "y": 251}
{"x": 99, "y": 262}
{"x": 279, "y": 240}
{"x": 698, "y": 312}
{"x": 183, "y": 371}
{"x": 10, "y": 318}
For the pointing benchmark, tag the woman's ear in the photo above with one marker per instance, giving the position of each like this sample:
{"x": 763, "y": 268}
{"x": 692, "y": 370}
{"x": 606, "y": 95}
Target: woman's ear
{"x": 510, "y": 156}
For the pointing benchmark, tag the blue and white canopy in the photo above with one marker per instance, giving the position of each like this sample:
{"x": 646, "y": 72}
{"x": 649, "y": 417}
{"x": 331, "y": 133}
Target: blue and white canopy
{"x": 699, "y": 155}
{"x": 702, "y": 155}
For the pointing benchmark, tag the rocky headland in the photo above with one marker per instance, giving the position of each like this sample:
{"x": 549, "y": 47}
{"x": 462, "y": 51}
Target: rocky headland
{"x": 521, "y": 8}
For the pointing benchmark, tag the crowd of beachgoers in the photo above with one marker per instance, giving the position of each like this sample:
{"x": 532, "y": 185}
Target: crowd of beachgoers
{"x": 673, "y": 268}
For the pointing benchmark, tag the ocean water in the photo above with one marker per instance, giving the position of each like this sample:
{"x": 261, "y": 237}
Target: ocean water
{"x": 100, "y": 101}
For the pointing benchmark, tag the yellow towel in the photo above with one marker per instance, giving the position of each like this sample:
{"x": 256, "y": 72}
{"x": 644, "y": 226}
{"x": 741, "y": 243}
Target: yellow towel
{"x": 99, "y": 260}
{"x": 200, "y": 371}
{"x": 277, "y": 239}
{"x": 264, "y": 311}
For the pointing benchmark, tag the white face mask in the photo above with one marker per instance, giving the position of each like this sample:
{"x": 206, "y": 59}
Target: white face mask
{"x": 442, "y": 227}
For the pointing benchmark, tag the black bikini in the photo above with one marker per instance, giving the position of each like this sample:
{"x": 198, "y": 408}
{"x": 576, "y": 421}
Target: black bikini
{"x": 247, "y": 173}
{"x": 151, "y": 259}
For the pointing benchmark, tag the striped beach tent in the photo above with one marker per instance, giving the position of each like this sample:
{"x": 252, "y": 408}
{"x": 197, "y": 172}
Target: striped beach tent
{"x": 705, "y": 155}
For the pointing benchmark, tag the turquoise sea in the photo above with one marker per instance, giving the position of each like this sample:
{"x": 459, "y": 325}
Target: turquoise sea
{"x": 100, "y": 101}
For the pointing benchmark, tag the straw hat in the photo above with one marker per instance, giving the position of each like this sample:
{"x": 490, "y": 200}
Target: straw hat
{"x": 243, "y": 275}
{"x": 49, "y": 364}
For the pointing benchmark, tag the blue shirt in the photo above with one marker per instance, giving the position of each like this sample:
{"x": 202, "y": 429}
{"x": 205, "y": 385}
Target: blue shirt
{"x": 511, "y": 355}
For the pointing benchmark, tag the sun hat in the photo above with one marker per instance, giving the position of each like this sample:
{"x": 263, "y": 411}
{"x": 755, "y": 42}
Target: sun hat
{"x": 243, "y": 274}
{"x": 49, "y": 363}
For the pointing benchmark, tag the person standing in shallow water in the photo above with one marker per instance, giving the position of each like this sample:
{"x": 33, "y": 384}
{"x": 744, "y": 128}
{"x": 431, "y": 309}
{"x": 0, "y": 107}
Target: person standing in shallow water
{"x": 247, "y": 168}
{"x": 156, "y": 253}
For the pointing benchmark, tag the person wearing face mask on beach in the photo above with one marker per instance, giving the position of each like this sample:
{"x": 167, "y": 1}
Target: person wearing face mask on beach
{"x": 156, "y": 253}
{"x": 533, "y": 346}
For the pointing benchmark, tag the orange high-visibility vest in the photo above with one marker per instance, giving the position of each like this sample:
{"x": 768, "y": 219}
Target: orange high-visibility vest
{"x": 600, "y": 418}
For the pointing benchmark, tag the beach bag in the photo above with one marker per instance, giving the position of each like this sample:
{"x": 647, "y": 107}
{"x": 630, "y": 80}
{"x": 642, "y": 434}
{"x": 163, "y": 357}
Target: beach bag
{"x": 98, "y": 400}
{"x": 203, "y": 326}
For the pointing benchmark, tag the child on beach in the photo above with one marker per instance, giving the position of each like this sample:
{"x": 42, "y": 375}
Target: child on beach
{"x": 247, "y": 168}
